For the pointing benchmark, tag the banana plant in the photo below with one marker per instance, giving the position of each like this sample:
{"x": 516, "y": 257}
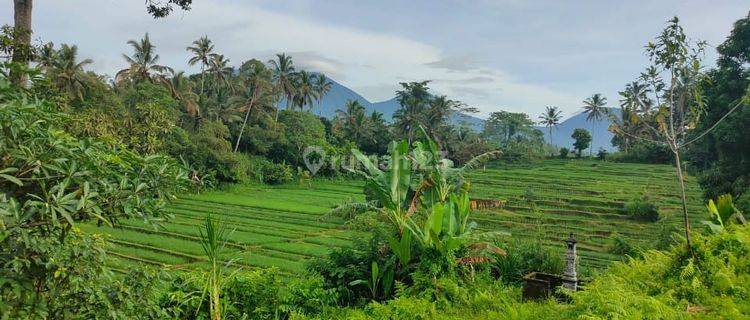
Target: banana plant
{"x": 390, "y": 190}
{"x": 424, "y": 195}
{"x": 721, "y": 212}
{"x": 378, "y": 277}
{"x": 402, "y": 247}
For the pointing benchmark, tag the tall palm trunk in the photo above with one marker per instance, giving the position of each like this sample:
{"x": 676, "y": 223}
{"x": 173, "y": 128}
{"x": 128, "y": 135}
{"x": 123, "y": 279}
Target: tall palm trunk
{"x": 247, "y": 115}
{"x": 203, "y": 76}
{"x": 550, "y": 140}
{"x": 591, "y": 150}
{"x": 22, "y": 30}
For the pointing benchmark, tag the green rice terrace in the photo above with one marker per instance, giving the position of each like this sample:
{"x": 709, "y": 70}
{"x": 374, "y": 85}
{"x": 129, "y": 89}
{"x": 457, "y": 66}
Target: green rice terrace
{"x": 283, "y": 226}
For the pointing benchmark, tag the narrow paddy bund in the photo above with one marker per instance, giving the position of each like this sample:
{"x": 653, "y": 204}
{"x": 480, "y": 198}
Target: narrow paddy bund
{"x": 283, "y": 226}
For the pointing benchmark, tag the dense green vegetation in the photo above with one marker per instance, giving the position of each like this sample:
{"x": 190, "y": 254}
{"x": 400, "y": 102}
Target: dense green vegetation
{"x": 159, "y": 194}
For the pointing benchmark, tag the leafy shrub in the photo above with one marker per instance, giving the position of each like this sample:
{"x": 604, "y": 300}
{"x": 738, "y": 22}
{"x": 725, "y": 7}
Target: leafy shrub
{"x": 620, "y": 245}
{"x": 343, "y": 266}
{"x": 564, "y": 153}
{"x": 263, "y": 170}
{"x": 642, "y": 209}
{"x": 258, "y": 294}
{"x": 644, "y": 152}
{"x": 51, "y": 180}
{"x": 524, "y": 257}
{"x": 710, "y": 283}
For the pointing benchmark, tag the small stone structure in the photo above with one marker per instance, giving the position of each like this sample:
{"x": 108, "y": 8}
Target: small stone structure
{"x": 570, "y": 277}
{"x": 540, "y": 286}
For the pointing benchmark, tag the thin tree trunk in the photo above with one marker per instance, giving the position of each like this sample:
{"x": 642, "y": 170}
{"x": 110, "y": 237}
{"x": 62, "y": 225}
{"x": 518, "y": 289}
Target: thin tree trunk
{"x": 22, "y": 41}
{"x": 247, "y": 115}
{"x": 684, "y": 198}
{"x": 550, "y": 140}
{"x": 203, "y": 76}
{"x": 591, "y": 150}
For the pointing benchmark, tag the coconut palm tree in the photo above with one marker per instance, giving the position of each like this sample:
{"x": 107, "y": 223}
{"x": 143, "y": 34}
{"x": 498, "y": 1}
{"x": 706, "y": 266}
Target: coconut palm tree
{"x": 634, "y": 100}
{"x": 219, "y": 107}
{"x": 305, "y": 90}
{"x": 67, "y": 72}
{"x": 257, "y": 89}
{"x": 220, "y": 70}
{"x": 143, "y": 62}
{"x": 594, "y": 109}
{"x": 413, "y": 98}
{"x": 46, "y": 57}
{"x": 353, "y": 120}
{"x": 551, "y": 118}
{"x": 437, "y": 115}
{"x": 202, "y": 50}
{"x": 181, "y": 89}
{"x": 283, "y": 76}
{"x": 322, "y": 86}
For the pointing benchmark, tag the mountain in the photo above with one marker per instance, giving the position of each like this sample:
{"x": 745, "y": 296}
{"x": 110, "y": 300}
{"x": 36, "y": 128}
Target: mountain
{"x": 339, "y": 94}
{"x": 601, "y": 135}
{"x": 337, "y": 98}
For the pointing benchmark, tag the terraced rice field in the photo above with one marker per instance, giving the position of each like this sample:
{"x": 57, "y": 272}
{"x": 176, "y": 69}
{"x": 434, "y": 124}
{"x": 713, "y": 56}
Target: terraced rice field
{"x": 272, "y": 226}
{"x": 281, "y": 226}
{"x": 585, "y": 198}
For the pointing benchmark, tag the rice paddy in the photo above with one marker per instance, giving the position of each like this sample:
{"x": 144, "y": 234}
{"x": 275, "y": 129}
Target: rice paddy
{"x": 282, "y": 226}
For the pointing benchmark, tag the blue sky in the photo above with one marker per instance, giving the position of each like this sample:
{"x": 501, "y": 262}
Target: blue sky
{"x": 495, "y": 55}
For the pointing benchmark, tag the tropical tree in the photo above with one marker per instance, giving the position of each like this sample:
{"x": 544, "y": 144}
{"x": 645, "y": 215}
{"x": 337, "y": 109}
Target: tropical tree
{"x": 143, "y": 63}
{"x": 45, "y": 58}
{"x": 283, "y": 76}
{"x": 594, "y": 109}
{"x": 582, "y": 140}
{"x": 181, "y": 89}
{"x": 305, "y": 90}
{"x": 551, "y": 118}
{"x": 67, "y": 72}
{"x": 676, "y": 80}
{"x": 257, "y": 88}
{"x": 437, "y": 117}
{"x": 202, "y": 49}
{"x": 413, "y": 99}
{"x": 634, "y": 99}
{"x": 353, "y": 121}
{"x": 504, "y": 126}
{"x": 322, "y": 86}
{"x": 220, "y": 70}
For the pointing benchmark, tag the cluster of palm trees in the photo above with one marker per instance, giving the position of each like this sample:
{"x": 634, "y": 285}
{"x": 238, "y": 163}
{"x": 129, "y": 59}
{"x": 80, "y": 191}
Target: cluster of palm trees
{"x": 369, "y": 132}
{"x": 224, "y": 93}
{"x": 298, "y": 88}
{"x": 594, "y": 107}
{"x": 63, "y": 69}
{"x": 634, "y": 100}
{"x": 419, "y": 108}
{"x": 220, "y": 92}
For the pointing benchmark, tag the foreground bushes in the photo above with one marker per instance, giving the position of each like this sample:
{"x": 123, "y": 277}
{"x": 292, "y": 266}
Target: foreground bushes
{"x": 711, "y": 283}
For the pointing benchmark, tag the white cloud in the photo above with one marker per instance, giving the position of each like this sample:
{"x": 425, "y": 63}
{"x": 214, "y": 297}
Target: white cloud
{"x": 371, "y": 62}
